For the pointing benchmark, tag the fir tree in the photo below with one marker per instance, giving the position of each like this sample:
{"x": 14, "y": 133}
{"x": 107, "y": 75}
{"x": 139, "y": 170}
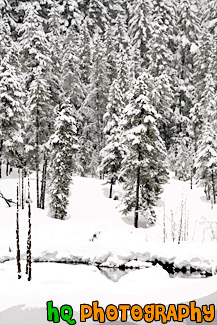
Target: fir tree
{"x": 112, "y": 152}
{"x": 139, "y": 27}
{"x": 36, "y": 60}
{"x": 161, "y": 66}
{"x": 187, "y": 46}
{"x": 63, "y": 146}
{"x": 98, "y": 98}
{"x": 143, "y": 167}
{"x": 206, "y": 157}
{"x": 12, "y": 114}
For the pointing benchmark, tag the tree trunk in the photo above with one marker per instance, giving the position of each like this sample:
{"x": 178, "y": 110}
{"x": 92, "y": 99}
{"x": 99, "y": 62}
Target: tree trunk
{"x": 111, "y": 186}
{"x": 22, "y": 189}
{"x": 37, "y": 158}
{"x": 137, "y": 199}
{"x": 191, "y": 178}
{"x": 18, "y": 237}
{"x": 19, "y": 185}
{"x": 43, "y": 183}
{"x": 7, "y": 168}
{"x": 29, "y": 243}
{"x": 213, "y": 188}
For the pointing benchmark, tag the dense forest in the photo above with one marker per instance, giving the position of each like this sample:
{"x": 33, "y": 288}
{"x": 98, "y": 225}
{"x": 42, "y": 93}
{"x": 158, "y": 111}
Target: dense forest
{"x": 122, "y": 90}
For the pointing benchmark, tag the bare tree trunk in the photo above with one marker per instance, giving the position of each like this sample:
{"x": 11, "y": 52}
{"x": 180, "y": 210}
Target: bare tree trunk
{"x": 7, "y": 167}
{"x": 191, "y": 178}
{"x": 29, "y": 243}
{"x": 22, "y": 189}
{"x": 43, "y": 183}
{"x": 137, "y": 199}
{"x": 19, "y": 187}
{"x": 111, "y": 186}
{"x": 213, "y": 188}
{"x": 18, "y": 237}
{"x": 37, "y": 158}
{"x": 1, "y": 147}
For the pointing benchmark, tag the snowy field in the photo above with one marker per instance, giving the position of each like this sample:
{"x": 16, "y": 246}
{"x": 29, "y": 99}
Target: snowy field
{"x": 97, "y": 233}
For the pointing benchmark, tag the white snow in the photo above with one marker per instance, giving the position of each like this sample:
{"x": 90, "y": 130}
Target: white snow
{"x": 97, "y": 232}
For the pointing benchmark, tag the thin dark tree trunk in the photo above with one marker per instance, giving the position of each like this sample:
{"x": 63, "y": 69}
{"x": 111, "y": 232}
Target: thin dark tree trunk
{"x": 111, "y": 187}
{"x": 7, "y": 167}
{"x": 191, "y": 178}
{"x": 43, "y": 183}
{"x": 137, "y": 199}
{"x": 18, "y": 237}
{"x": 37, "y": 158}
{"x": 22, "y": 188}
{"x": 19, "y": 184}
{"x": 213, "y": 188}
{"x": 29, "y": 243}
{"x": 1, "y": 147}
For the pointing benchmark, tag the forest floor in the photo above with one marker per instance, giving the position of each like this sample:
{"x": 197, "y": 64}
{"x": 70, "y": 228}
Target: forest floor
{"x": 97, "y": 233}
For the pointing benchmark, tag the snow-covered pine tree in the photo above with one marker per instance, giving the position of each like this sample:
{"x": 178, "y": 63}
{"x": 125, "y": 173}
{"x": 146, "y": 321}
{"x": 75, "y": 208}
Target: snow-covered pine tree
{"x": 188, "y": 28}
{"x": 54, "y": 80}
{"x": 181, "y": 159}
{"x": 63, "y": 146}
{"x": 55, "y": 41}
{"x": 71, "y": 13}
{"x": 161, "y": 66}
{"x": 206, "y": 157}
{"x": 11, "y": 107}
{"x": 205, "y": 63}
{"x": 140, "y": 28}
{"x": 120, "y": 29}
{"x": 206, "y": 161}
{"x": 98, "y": 99}
{"x": 112, "y": 152}
{"x": 97, "y": 17}
{"x": 111, "y": 54}
{"x": 85, "y": 62}
{"x": 36, "y": 61}
{"x": 5, "y": 36}
{"x": 143, "y": 167}
{"x": 40, "y": 123}
{"x": 210, "y": 15}
{"x": 76, "y": 88}
{"x": 124, "y": 77}
{"x": 72, "y": 84}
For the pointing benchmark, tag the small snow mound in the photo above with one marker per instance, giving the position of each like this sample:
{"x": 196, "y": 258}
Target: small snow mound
{"x": 146, "y": 276}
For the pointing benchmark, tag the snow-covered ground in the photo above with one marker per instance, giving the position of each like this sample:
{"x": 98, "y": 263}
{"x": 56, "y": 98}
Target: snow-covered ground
{"x": 97, "y": 233}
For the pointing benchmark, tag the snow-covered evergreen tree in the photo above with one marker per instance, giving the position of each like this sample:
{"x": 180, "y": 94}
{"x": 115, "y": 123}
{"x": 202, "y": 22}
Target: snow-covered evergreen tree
{"x": 12, "y": 114}
{"x": 206, "y": 157}
{"x": 143, "y": 167}
{"x": 161, "y": 66}
{"x": 210, "y": 15}
{"x": 36, "y": 61}
{"x": 97, "y": 16}
{"x": 63, "y": 146}
{"x": 98, "y": 97}
{"x": 188, "y": 27}
{"x": 71, "y": 71}
{"x": 140, "y": 27}
{"x": 112, "y": 152}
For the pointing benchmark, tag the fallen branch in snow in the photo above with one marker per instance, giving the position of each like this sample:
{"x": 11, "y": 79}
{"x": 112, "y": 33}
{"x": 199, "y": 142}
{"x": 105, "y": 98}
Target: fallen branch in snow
{"x": 8, "y": 201}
